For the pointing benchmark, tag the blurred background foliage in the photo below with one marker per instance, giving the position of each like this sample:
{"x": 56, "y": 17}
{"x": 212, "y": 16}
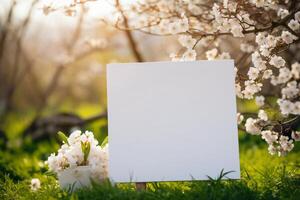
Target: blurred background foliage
{"x": 52, "y": 63}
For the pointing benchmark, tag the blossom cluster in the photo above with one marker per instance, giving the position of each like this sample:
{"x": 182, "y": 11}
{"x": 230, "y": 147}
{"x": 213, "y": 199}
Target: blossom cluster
{"x": 268, "y": 66}
{"x": 197, "y": 25}
{"x": 81, "y": 149}
{"x": 262, "y": 30}
{"x": 278, "y": 142}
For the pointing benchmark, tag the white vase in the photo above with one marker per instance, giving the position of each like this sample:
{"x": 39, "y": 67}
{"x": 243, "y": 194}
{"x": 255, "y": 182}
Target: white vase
{"x": 74, "y": 178}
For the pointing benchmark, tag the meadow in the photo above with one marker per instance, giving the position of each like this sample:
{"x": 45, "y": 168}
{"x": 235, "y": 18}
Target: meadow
{"x": 262, "y": 176}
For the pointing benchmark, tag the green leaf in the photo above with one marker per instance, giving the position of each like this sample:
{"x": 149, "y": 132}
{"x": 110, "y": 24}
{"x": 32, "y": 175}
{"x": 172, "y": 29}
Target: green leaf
{"x": 63, "y": 137}
{"x": 85, "y": 148}
{"x": 88, "y": 148}
{"x": 104, "y": 142}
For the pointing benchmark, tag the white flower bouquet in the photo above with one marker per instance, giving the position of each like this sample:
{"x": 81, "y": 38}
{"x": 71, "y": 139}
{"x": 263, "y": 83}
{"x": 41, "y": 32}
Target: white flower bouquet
{"x": 80, "y": 160}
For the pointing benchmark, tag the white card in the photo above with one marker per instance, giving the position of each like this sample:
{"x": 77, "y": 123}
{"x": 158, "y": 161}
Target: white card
{"x": 172, "y": 121}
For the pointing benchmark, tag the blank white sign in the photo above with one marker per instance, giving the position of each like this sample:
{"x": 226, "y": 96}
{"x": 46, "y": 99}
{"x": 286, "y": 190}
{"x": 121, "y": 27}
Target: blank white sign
{"x": 172, "y": 121}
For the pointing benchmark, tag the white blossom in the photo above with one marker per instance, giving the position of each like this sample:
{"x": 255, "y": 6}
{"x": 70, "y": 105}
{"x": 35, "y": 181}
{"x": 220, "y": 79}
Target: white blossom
{"x": 253, "y": 73}
{"x": 232, "y": 6}
{"x": 297, "y": 16}
{"x": 296, "y": 70}
{"x": 247, "y": 48}
{"x": 286, "y": 144}
{"x": 296, "y": 110}
{"x": 290, "y": 91}
{"x": 187, "y": 41}
{"x": 251, "y": 88}
{"x": 262, "y": 115}
{"x": 240, "y": 118}
{"x": 287, "y": 37}
{"x": 179, "y": 26}
{"x": 296, "y": 135}
{"x": 259, "y": 3}
{"x": 265, "y": 50}
{"x": 271, "y": 41}
{"x": 74, "y": 137}
{"x": 260, "y": 65}
{"x": 277, "y": 61}
{"x": 269, "y": 136}
{"x": 225, "y": 26}
{"x": 272, "y": 149}
{"x": 174, "y": 28}
{"x": 258, "y": 62}
{"x": 70, "y": 155}
{"x": 174, "y": 57}
{"x": 35, "y": 184}
{"x": 282, "y": 13}
{"x": 294, "y": 24}
{"x": 224, "y": 56}
{"x": 286, "y": 106}
{"x": 252, "y": 127}
{"x": 260, "y": 100}
{"x": 189, "y": 55}
{"x": 212, "y": 54}
{"x": 284, "y": 75}
{"x": 238, "y": 90}
{"x": 183, "y": 24}
{"x": 255, "y": 56}
{"x": 236, "y": 29}
{"x": 260, "y": 38}
{"x": 267, "y": 74}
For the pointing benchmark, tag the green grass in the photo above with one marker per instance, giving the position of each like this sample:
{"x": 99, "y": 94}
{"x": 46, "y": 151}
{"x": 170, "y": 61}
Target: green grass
{"x": 263, "y": 176}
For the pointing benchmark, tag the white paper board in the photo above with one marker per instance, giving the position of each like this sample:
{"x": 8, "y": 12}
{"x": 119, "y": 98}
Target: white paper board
{"x": 172, "y": 121}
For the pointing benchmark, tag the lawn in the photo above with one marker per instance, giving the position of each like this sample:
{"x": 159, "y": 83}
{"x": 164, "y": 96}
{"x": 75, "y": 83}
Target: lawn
{"x": 263, "y": 176}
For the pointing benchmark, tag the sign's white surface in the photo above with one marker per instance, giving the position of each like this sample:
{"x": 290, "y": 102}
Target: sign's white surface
{"x": 172, "y": 121}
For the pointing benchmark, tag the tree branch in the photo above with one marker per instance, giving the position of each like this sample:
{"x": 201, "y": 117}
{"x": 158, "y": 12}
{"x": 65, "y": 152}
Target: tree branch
{"x": 131, "y": 41}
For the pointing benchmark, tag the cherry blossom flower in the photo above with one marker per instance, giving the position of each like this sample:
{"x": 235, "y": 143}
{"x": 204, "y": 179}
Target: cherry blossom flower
{"x": 189, "y": 55}
{"x": 187, "y": 41}
{"x": 237, "y": 30}
{"x": 282, "y": 13}
{"x": 297, "y": 16}
{"x": 286, "y": 144}
{"x": 277, "y": 61}
{"x": 240, "y": 118}
{"x": 272, "y": 149}
{"x": 212, "y": 54}
{"x": 246, "y": 48}
{"x": 295, "y": 70}
{"x": 252, "y": 126}
{"x": 262, "y": 115}
{"x": 260, "y": 100}
{"x": 267, "y": 74}
{"x": 269, "y": 136}
{"x": 294, "y": 24}
{"x": 296, "y": 135}
{"x": 288, "y": 37}
{"x": 253, "y": 73}
{"x": 35, "y": 184}
{"x": 286, "y": 106}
